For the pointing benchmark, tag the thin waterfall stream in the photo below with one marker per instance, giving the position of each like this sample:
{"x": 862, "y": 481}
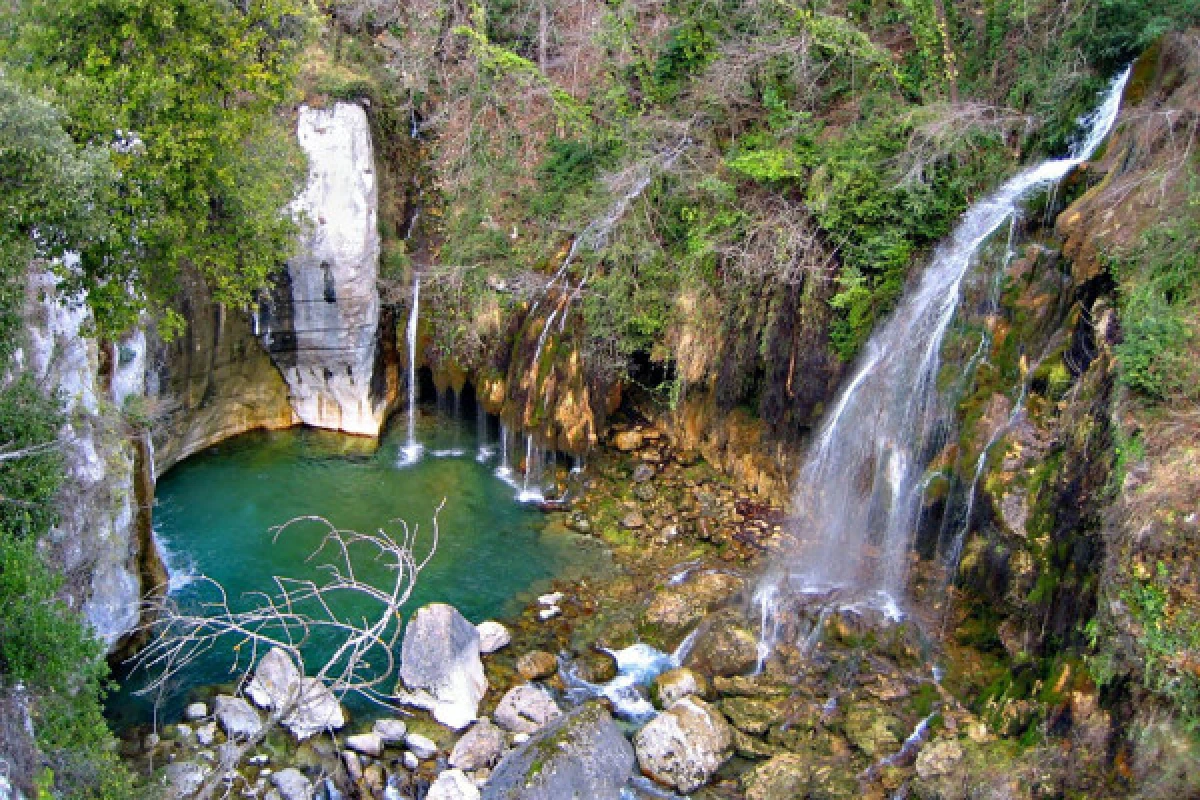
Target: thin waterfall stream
{"x": 858, "y": 495}
{"x": 411, "y": 452}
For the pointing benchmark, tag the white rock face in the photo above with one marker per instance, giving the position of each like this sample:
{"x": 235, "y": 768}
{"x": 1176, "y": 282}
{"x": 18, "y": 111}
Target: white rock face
{"x": 526, "y": 709}
{"x": 333, "y": 308}
{"x": 96, "y": 533}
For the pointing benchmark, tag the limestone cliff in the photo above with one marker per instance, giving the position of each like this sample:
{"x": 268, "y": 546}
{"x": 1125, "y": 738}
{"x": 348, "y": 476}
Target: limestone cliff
{"x": 323, "y": 321}
{"x": 101, "y": 543}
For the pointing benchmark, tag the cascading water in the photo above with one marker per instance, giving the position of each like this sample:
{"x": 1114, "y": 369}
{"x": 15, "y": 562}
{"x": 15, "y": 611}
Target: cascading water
{"x": 410, "y": 453}
{"x": 859, "y": 490}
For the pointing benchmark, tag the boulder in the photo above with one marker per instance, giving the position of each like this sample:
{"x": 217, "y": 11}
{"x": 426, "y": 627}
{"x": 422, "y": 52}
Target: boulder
{"x": 420, "y": 746}
{"x": 537, "y": 664}
{"x": 675, "y": 684}
{"x": 752, "y": 715}
{"x": 595, "y": 666}
{"x": 526, "y": 709}
{"x": 723, "y": 647}
{"x": 206, "y": 734}
{"x": 292, "y": 784}
{"x": 317, "y": 710}
{"x": 684, "y": 746}
{"x": 238, "y": 718}
{"x": 452, "y": 785}
{"x": 440, "y": 664}
{"x": 492, "y": 636}
{"x": 581, "y": 755}
{"x": 480, "y": 747}
{"x": 369, "y": 744}
{"x": 390, "y": 731}
{"x": 195, "y": 711}
{"x": 276, "y": 681}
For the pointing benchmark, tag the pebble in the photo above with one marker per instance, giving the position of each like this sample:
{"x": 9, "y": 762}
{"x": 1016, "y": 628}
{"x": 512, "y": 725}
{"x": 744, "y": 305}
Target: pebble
{"x": 549, "y": 613}
{"x": 420, "y": 746}
{"x": 551, "y": 599}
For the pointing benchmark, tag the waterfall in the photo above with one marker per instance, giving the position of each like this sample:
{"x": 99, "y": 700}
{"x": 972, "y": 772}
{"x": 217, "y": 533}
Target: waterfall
{"x": 411, "y": 452}
{"x": 531, "y": 488}
{"x": 858, "y": 494}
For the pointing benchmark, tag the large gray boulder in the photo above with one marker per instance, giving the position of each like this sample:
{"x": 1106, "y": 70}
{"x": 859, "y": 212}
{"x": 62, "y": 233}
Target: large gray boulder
{"x": 278, "y": 685}
{"x": 684, "y": 746}
{"x": 526, "y": 708}
{"x": 440, "y": 665}
{"x": 582, "y": 756}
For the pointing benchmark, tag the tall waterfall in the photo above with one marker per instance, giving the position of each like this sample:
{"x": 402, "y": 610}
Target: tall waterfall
{"x": 411, "y": 452}
{"x": 859, "y": 491}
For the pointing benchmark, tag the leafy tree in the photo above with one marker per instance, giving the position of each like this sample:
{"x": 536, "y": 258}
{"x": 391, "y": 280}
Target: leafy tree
{"x": 183, "y": 94}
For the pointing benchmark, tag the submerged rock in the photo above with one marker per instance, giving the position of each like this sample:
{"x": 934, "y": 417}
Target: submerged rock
{"x": 582, "y": 755}
{"x": 684, "y": 746}
{"x": 526, "y": 709}
{"x": 441, "y": 666}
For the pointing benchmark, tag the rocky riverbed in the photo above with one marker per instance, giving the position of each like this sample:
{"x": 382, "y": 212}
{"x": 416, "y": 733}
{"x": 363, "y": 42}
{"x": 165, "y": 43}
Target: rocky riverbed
{"x": 647, "y": 683}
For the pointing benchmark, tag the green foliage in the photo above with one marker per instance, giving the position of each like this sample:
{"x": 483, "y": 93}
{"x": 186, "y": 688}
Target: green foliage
{"x": 688, "y": 50}
{"x": 1158, "y": 283}
{"x": 1113, "y": 32}
{"x": 182, "y": 94}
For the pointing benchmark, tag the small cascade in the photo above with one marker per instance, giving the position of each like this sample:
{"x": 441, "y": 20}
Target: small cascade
{"x": 637, "y": 667}
{"x": 411, "y": 452}
{"x": 505, "y": 471}
{"x": 531, "y": 485}
{"x": 858, "y": 497}
{"x": 485, "y": 451}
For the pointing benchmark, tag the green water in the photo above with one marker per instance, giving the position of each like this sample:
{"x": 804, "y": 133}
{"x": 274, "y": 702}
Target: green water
{"x": 215, "y": 512}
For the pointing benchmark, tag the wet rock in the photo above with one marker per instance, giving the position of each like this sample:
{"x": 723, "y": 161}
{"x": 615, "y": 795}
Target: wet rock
{"x": 292, "y": 785}
{"x": 238, "y": 718}
{"x": 440, "y": 664}
{"x": 679, "y": 608}
{"x": 195, "y": 711}
{"x": 751, "y": 748}
{"x": 184, "y": 778}
{"x": 390, "y": 731}
{"x": 492, "y": 636}
{"x": 723, "y": 647}
{"x": 480, "y": 747}
{"x": 420, "y": 746}
{"x": 675, "y": 684}
{"x": 939, "y": 758}
{"x": 373, "y": 779}
{"x": 628, "y": 441}
{"x": 317, "y": 710}
{"x": 452, "y": 785}
{"x": 784, "y": 777}
{"x": 537, "y": 664}
{"x": 643, "y": 473}
{"x": 684, "y": 746}
{"x": 369, "y": 744}
{"x": 582, "y": 755}
{"x": 595, "y": 666}
{"x": 526, "y": 709}
{"x": 633, "y": 521}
